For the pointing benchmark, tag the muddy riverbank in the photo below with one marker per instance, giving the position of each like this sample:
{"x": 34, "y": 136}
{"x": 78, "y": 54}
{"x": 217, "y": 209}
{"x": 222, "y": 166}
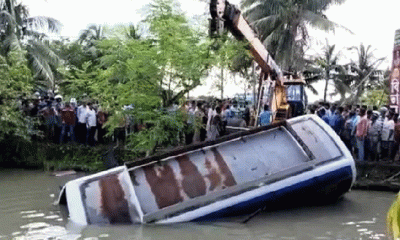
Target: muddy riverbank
{"x": 378, "y": 176}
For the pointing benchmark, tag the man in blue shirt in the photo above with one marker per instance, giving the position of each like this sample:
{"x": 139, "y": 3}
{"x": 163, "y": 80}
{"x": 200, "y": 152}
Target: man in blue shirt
{"x": 265, "y": 116}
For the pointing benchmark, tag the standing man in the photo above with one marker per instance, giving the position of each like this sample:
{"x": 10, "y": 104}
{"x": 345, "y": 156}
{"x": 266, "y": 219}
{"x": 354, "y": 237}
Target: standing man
{"x": 361, "y": 133}
{"x": 91, "y": 120}
{"x": 388, "y": 136}
{"x": 226, "y": 114}
{"x": 381, "y": 120}
{"x": 68, "y": 122}
{"x": 265, "y": 116}
{"x": 81, "y": 125}
{"x": 216, "y": 125}
{"x": 101, "y": 119}
{"x": 373, "y": 137}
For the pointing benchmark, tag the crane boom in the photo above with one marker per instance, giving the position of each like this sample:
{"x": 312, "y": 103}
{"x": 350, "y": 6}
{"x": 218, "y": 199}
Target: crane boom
{"x": 224, "y": 13}
{"x": 227, "y": 16}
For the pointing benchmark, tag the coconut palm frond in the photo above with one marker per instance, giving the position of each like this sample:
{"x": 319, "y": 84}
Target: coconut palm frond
{"x": 42, "y": 69}
{"x": 313, "y": 79}
{"x": 362, "y": 70}
{"x": 247, "y": 3}
{"x": 34, "y": 34}
{"x": 47, "y": 24}
{"x": 320, "y": 22}
{"x": 321, "y": 5}
{"x": 341, "y": 86}
{"x": 283, "y": 26}
{"x": 311, "y": 88}
{"x": 20, "y": 12}
{"x": 7, "y": 20}
{"x": 91, "y": 34}
{"x": 262, "y": 9}
{"x": 43, "y": 61}
{"x": 132, "y": 32}
{"x": 10, "y": 43}
{"x": 45, "y": 52}
{"x": 84, "y": 35}
{"x": 267, "y": 24}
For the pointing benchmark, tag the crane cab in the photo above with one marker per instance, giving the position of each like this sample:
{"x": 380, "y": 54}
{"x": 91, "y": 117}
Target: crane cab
{"x": 295, "y": 95}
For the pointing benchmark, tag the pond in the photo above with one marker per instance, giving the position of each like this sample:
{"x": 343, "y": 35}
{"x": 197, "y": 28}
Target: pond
{"x": 28, "y": 211}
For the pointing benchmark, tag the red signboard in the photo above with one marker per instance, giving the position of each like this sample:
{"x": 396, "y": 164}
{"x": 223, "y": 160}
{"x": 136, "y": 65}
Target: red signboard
{"x": 394, "y": 100}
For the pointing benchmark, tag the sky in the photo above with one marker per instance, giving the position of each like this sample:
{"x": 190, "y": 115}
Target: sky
{"x": 371, "y": 22}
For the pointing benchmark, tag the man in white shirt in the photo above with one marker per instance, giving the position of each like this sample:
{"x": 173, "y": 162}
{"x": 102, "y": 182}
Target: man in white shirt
{"x": 388, "y": 136}
{"x": 90, "y": 120}
{"x": 80, "y": 129}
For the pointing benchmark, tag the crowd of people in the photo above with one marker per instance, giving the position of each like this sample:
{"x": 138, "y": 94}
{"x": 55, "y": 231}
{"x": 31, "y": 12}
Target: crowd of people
{"x": 83, "y": 122}
{"x": 67, "y": 121}
{"x": 370, "y": 134}
{"x": 209, "y": 121}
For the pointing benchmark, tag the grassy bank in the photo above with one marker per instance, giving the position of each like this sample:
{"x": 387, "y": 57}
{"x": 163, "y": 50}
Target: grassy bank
{"x": 17, "y": 153}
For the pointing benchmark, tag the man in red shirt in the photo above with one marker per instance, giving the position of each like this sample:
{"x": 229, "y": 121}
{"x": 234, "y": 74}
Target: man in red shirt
{"x": 68, "y": 121}
{"x": 361, "y": 133}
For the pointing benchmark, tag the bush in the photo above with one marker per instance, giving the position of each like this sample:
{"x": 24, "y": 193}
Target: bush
{"x": 19, "y": 153}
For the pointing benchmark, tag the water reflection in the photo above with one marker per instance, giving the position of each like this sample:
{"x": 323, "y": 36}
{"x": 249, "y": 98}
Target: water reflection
{"x": 27, "y": 211}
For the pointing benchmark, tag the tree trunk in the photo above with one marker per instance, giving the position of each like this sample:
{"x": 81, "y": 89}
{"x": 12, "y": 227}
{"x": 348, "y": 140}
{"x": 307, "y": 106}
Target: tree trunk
{"x": 222, "y": 83}
{"x": 326, "y": 84}
{"x": 254, "y": 83}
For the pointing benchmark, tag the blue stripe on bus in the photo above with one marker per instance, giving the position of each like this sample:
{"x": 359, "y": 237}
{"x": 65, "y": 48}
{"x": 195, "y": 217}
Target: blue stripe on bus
{"x": 314, "y": 185}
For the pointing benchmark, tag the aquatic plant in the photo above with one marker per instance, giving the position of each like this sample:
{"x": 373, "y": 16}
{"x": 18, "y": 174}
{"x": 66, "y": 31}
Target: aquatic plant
{"x": 393, "y": 218}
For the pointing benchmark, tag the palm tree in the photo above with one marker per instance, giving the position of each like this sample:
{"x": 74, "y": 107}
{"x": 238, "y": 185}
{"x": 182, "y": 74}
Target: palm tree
{"x": 19, "y": 31}
{"x": 326, "y": 67}
{"x": 364, "y": 72}
{"x": 92, "y": 34}
{"x": 133, "y": 32}
{"x": 88, "y": 39}
{"x": 283, "y": 26}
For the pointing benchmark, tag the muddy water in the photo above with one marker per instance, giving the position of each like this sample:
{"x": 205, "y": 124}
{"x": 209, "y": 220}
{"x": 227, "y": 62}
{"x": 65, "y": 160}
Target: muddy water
{"x": 27, "y": 211}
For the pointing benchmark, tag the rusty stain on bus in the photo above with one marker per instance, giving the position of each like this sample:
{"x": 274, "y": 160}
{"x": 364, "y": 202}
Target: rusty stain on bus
{"x": 169, "y": 187}
{"x": 114, "y": 205}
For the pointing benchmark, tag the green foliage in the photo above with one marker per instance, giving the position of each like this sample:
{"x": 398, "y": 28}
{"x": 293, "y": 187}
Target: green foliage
{"x": 15, "y": 85}
{"x": 182, "y": 52}
{"x": 230, "y": 54}
{"x": 366, "y": 76}
{"x": 326, "y": 67}
{"x": 36, "y": 154}
{"x": 79, "y": 82}
{"x": 65, "y": 157}
{"x": 150, "y": 74}
{"x": 19, "y": 31}
{"x": 375, "y": 98}
{"x": 73, "y": 54}
{"x": 131, "y": 75}
{"x": 163, "y": 129}
{"x": 393, "y": 218}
